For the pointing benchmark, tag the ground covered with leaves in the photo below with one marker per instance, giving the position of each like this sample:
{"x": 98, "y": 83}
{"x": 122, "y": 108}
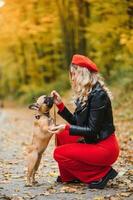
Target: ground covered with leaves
{"x": 16, "y": 134}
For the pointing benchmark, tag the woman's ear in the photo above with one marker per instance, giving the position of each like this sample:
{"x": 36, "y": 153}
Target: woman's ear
{"x": 33, "y": 107}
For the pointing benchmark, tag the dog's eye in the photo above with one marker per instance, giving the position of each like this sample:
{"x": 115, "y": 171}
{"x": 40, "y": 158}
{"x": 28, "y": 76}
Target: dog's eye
{"x": 45, "y": 100}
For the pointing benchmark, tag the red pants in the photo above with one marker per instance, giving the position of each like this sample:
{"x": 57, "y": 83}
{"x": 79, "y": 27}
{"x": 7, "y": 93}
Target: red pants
{"x": 86, "y": 162}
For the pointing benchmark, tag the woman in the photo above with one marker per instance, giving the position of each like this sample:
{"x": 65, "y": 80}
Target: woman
{"x": 87, "y": 146}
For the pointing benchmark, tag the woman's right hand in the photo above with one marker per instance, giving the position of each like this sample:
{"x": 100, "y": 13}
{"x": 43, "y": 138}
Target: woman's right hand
{"x": 57, "y": 97}
{"x": 56, "y": 129}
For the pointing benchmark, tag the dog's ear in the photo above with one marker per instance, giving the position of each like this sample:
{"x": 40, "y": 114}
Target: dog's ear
{"x": 34, "y": 99}
{"x": 33, "y": 107}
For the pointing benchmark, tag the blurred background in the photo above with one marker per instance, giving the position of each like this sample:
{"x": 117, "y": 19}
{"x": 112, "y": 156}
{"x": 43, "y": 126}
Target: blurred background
{"x": 39, "y": 37}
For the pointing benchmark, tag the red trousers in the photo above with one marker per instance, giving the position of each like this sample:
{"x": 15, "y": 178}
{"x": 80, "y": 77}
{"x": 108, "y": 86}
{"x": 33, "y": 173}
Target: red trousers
{"x": 86, "y": 162}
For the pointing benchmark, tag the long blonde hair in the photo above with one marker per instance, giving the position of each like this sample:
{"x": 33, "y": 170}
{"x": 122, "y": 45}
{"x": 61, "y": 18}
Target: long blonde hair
{"x": 83, "y": 80}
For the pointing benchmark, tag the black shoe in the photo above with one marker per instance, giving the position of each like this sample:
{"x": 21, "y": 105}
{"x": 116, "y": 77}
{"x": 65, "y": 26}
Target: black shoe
{"x": 74, "y": 181}
{"x": 103, "y": 182}
{"x": 58, "y": 180}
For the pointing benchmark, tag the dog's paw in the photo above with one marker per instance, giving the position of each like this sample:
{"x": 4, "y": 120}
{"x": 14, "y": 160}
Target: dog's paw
{"x": 35, "y": 182}
{"x": 28, "y": 185}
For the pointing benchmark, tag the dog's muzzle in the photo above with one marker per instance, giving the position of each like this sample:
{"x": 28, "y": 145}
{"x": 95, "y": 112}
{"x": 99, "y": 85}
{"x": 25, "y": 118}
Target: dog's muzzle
{"x": 49, "y": 101}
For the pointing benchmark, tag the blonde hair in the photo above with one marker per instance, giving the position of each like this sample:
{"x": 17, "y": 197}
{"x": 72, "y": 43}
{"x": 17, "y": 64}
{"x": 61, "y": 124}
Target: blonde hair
{"x": 83, "y": 80}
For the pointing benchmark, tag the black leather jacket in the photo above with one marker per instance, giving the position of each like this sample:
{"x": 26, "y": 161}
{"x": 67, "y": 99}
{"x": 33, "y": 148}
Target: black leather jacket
{"x": 94, "y": 121}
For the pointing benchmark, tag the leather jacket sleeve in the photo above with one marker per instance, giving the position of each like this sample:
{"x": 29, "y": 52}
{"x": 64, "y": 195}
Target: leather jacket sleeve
{"x": 95, "y": 118}
{"x": 68, "y": 116}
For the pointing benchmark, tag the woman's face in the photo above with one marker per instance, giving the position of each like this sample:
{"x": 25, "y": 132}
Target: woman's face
{"x": 73, "y": 75}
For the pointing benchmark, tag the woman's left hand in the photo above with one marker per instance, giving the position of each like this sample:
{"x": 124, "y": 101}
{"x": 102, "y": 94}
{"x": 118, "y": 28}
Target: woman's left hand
{"x": 56, "y": 129}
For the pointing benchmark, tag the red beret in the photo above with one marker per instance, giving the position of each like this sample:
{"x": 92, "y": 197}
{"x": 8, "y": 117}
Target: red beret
{"x": 84, "y": 61}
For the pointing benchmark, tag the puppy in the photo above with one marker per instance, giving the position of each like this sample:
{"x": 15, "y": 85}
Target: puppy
{"x": 41, "y": 136}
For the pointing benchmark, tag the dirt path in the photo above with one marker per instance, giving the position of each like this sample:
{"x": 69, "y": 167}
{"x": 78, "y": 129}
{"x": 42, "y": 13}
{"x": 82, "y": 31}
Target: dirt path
{"x": 15, "y": 134}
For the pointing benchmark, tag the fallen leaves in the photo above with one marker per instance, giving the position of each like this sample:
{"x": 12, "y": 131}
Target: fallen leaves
{"x": 68, "y": 189}
{"x": 99, "y": 198}
{"x": 125, "y": 194}
{"x": 17, "y": 198}
{"x": 53, "y": 174}
{"x": 130, "y": 172}
{"x": 12, "y": 160}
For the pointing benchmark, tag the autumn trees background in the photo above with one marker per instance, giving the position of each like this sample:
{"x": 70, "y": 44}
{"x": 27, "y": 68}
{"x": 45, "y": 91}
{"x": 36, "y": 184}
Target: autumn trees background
{"x": 39, "y": 37}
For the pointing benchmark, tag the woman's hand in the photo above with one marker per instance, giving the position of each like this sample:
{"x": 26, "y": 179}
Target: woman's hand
{"x": 56, "y": 129}
{"x": 57, "y": 97}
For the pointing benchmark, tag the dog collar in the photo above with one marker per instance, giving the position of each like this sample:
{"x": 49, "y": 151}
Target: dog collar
{"x": 45, "y": 114}
{"x": 37, "y": 116}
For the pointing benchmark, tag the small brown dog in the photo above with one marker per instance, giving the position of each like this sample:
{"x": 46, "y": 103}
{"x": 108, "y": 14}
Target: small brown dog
{"x": 41, "y": 136}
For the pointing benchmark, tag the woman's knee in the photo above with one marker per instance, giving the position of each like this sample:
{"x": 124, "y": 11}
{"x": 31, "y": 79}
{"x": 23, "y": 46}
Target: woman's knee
{"x": 59, "y": 153}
